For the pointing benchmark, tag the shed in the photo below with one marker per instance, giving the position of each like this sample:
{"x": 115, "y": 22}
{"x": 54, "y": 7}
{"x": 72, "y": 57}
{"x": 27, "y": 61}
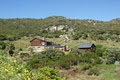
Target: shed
{"x": 88, "y": 47}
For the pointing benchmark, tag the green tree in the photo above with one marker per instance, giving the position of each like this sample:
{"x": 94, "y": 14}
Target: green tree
{"x": 113, "y": 55}
{"x": 2, "y": 45}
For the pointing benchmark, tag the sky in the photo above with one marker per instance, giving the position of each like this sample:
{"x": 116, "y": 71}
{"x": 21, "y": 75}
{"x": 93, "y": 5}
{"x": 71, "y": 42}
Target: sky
{"x": 104, "y": 10}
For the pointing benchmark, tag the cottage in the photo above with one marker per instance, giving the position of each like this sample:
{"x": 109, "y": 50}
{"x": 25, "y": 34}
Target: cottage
{"x": 40, "y": 44}
{"x": 90, "y": 47}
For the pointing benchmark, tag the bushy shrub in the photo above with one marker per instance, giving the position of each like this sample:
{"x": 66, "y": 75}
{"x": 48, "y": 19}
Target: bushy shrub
{"x": 46, "y": 58}
{"x": 2, "y": 37}
{"x": 101, "y": 51}
{"x": 2, "y": 45}
{"x": 24, "y": 56}
{"x": 113, "y": 55}
{"x": 86, "y": 66}
{"x": 54, "y": 34}
{"x": 76, "y": 51}
{"x": 93, "y": 71}
{"x": 85, "y": 36}
{"x": 48, "y": 74}
{"x": 10, "y": 69}
{"x": 101, "y": 37}
{"x": 76, "y": 36}
{"x": 67, "y": 61}
{"x": 52, "y": 54}
{"x": 11, "y": 48}
{"x": 91, "y": 58}
{"x": 53, "y": 58}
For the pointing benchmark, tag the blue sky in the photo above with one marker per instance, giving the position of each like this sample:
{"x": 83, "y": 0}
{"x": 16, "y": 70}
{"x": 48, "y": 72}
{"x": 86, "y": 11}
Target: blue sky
{"x": 76, "y": 9}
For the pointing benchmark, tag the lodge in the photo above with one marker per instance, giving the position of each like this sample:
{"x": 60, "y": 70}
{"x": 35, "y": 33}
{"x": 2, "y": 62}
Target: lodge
{"x": 40, "y": 44}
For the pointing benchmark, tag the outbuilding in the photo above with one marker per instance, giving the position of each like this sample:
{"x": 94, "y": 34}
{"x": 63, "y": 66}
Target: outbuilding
{"x": 90, "y": 47}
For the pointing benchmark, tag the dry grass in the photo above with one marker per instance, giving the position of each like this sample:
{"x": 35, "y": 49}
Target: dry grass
{"x": 84, "y": 77}
{"x": 78, "y": 75}
{"x": 22, "y": 43}
{"x": 75, "y": 43}
{"x": 25, "y": 42}
{"x": 109, "y": 72}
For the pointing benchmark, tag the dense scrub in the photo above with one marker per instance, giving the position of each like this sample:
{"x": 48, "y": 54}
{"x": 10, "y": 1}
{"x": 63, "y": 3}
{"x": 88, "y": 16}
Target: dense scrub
{"x": 96, "y": 30}
{"x": 43, "y": 65}
{"x": 12, "y": 69}
{"x": 57, "y": 59}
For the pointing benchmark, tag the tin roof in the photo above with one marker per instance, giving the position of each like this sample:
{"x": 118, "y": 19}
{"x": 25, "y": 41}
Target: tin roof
{"x": 88, "y": 45}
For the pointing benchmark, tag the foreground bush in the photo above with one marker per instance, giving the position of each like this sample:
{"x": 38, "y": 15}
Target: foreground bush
{"x": 86, "y": 66}
{"x": 94, "y": 71}
{"x": 11, "y": 69}
{"x": 46, "y": 74}
{"x": 47, "y": 58}
{"x": 67, "y": 61}
{"x": 54, "y": 59}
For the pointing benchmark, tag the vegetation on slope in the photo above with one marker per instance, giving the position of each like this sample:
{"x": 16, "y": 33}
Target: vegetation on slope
{"x": 13, "y": 29}
{"x": 75, "y": 65}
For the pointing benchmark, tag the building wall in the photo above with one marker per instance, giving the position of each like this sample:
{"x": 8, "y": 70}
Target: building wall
{"x": 38, "y": 48}
{"x": 88, "y": 50}
{"x": 62, "y": 48}
{"x": 37, "y": 42}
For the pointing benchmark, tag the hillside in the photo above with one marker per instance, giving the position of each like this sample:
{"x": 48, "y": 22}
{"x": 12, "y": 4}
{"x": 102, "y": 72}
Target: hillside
{"x": 54, "y": 26}
{"x": 75, "y": 64}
